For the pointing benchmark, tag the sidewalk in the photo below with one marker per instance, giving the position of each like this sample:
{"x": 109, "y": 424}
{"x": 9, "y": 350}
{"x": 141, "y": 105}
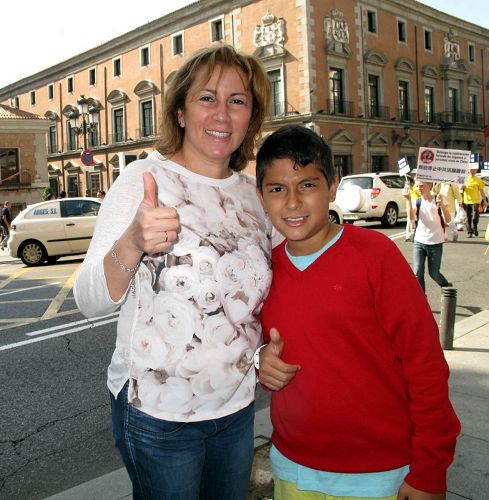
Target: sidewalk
{"x": 468, "y": 477}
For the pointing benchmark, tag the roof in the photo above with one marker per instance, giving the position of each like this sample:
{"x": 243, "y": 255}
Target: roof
{"x": 9, "y": 113}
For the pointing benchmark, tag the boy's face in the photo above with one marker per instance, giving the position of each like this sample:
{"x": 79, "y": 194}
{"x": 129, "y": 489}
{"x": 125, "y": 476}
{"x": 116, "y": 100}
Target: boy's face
{"x": 297, "y": 202}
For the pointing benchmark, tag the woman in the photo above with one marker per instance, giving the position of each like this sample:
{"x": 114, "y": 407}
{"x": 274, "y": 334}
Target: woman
{"x": 182, "y": 246}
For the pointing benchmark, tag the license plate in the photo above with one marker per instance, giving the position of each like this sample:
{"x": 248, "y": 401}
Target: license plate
{"x": 351, "y": 217}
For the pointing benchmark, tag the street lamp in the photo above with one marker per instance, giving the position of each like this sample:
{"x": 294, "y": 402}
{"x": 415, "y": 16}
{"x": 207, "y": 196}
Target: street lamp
{"x": 89, "y": 120}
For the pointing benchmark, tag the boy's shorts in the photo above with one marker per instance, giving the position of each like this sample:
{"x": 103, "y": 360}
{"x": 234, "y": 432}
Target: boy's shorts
{"x": 284, "y": 490}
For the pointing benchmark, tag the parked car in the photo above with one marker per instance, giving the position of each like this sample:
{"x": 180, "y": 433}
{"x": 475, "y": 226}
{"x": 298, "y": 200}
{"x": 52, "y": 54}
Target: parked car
{"x": 373, "y": 196}
{"x": 335, "y": 213}
{"x": 49, "y": 230}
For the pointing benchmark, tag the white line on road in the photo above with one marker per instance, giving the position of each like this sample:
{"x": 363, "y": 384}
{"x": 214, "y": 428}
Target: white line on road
{"x": 74, "y": 323}
{"x": 397, "y": 236}
{"x": 53, "y": 335}
{"x": 30, "y": 288}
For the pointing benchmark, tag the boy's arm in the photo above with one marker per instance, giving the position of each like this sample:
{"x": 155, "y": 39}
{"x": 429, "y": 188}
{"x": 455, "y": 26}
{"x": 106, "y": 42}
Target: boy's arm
{"x": 440, "y": 201}
{"x": 409, "y": 205}
{"x": 274, "y": 373}
{"x": 406, "y": 491}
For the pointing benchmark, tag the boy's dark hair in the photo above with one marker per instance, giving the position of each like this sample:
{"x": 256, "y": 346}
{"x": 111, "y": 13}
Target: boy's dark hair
{"x": 301, "y": 145}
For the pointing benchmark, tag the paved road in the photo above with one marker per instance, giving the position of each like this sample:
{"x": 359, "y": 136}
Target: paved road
{"x": 54, "y": 418}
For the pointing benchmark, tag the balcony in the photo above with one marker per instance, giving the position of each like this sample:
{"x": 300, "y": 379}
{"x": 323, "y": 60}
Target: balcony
{"x": 378, "y": 112}
{"x": 145, "y": 132}
{"x": 407, "y": 115}
{"x": 340, "y": 107}
{"x": 457, "y": 118}
{"x": 282, "y": 108}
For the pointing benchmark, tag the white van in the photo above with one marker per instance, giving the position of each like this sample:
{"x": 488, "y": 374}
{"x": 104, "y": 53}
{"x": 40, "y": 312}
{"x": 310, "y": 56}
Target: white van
{"x": 51, "y": 229}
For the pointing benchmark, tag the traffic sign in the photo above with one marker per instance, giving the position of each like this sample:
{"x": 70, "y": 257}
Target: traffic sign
{"x": 87, "y": 158}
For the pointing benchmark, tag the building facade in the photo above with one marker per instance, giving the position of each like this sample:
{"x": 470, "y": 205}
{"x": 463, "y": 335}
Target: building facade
{"x": 23, "y": 163}
{"x": 377, "y": 78}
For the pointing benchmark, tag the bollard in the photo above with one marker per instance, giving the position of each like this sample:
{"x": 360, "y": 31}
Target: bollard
{"x": 447, "y": 316}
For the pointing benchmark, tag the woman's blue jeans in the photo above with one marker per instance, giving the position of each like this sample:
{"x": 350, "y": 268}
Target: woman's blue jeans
{"x": 432, "y": 253}
{"x": 166, "y": 460}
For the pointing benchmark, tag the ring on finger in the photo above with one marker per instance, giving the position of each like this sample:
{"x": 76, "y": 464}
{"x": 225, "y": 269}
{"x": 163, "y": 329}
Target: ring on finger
{"x": 166, "y": 237}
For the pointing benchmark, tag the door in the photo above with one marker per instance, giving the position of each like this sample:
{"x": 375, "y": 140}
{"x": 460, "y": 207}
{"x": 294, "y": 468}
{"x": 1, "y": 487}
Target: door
{"x": 79, "y": 217}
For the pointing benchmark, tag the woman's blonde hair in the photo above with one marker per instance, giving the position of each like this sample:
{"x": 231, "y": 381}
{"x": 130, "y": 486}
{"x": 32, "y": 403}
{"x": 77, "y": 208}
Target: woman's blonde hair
{"x": 171, "y": 134}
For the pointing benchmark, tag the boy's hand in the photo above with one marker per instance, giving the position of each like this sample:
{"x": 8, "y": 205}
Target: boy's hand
{"x": 275, "y": 373}
{"x": 408, "y": 492}
{"x": 406, "y": 192}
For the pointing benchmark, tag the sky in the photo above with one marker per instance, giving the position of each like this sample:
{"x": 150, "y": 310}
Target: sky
{"x": 36, "y": 37}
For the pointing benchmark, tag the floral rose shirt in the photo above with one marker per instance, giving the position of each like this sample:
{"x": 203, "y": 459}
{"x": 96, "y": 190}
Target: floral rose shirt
{"x": 186, "y": 337}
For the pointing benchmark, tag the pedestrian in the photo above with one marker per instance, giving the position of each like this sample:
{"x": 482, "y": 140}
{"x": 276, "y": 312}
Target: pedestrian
{"x": 451, "y": 193}
{"x": 429, "y": 217}
{"x": 101, "y": 194}
{"x": 62, "y": 194}
{"x": 5, "y": 220}
{"x": 360, "y": 405}
{"x": 473, "y": 195}
{"x": 182, "y": 246}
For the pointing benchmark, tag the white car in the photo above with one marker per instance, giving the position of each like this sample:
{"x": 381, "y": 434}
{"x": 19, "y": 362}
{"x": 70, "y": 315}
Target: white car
{"x": 372, "y": 197}
{"x": 335, "y": 213}
{"x": 48, "y": 230}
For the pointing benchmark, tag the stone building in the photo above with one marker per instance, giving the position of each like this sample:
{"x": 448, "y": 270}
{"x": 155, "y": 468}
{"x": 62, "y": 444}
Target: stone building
{"x": 377, "y": 78}
{"x": 23, "y": 173}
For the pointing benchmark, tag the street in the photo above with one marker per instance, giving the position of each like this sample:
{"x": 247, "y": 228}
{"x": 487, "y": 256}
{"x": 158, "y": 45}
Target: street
{"x": 55, "y": 418}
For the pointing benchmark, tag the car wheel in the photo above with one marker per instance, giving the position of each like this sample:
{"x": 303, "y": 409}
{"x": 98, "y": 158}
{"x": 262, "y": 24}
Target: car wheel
{"x": 389, "y": 219}
{"x": 334, "y": 217}
{"x": 32, "y": 253}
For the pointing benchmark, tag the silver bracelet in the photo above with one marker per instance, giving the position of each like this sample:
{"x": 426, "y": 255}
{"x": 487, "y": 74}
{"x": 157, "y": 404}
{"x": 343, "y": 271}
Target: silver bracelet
{"x": 126, "y": 269}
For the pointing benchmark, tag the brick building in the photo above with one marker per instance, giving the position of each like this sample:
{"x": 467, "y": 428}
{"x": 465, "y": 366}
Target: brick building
{"x": 377, "y": 78}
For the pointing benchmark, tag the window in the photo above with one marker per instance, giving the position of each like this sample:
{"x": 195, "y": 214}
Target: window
{"x": 177, "y": 41}
{"x": 51, "y": 91}
{"x": 70, "y": 84}
{"x": 117, "y": 66}
{"x": 73, "y": 186}
{"x": 453, "y": 104}
{"x": 71, "y": 137}
{"x": 471, "y": 53}
{"x": 129, "y": 159}
{"x": 52, "y": 143}
{"x": 115, "y": 174}
{"x": 33, "y": 97}
{"x": 145, "y": 56}
{"x": 92, "y": 76}
{"x": 9, "y": 166}
{"x": 275, "y": 78}
{"x": 373, "y": 96}
{"x": 342, "y": 165}
{"x": 54, "y": 186}
{"x": 93, "y": 134}
{"x": 380, "y": 163}
{"x": 146, "y": 118}
{"x": 429, "y": 100}
{"x": 93, "y": 184}
{"x": 428, "y": 40}
{"x": 336, "y": 101}
{"x": 401, "y": 31}
{"x": 14, "y": 102}
{"x": 473, "y": 107}
{"x": 403, "y": 89}
{"x": 372, "y": 21}
{"x": 118, "y": 125}
{"x": 217, "y": 30}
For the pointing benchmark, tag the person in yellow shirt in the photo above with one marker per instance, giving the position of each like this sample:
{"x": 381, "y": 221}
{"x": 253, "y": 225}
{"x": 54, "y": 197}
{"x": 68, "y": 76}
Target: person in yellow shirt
{"x": 411, "y": 179}
{"x": 473, "y": 194}
{"x": 452, "y": 194}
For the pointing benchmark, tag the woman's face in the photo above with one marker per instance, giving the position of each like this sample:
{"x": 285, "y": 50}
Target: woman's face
{"x": 216, "y": 117}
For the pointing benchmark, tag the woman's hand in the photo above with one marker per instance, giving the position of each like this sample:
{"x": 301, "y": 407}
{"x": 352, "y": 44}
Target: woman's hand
{"x": 155, "y": 227}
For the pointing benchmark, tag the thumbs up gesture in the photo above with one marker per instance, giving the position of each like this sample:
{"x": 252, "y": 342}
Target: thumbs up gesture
{"x": 155, "y": 227}
{"x": 275, "y": 373}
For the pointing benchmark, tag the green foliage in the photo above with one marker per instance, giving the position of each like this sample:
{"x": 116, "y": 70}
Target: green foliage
{"x": 46, "y": 194}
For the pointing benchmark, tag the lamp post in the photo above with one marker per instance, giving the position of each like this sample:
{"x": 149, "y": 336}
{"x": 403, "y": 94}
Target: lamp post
{"x": 89, "y": 120}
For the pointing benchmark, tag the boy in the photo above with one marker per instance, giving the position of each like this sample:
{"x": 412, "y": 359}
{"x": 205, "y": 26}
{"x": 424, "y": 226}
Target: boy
{"x": 361, "y": 406}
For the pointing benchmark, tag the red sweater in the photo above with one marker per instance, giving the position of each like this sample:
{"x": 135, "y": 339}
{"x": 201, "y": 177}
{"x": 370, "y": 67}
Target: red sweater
{"x": 372, "y": 392}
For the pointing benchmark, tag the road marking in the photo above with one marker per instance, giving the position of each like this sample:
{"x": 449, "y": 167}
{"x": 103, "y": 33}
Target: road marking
{"x": 30, "y": 288}
{"x": 57, "y": 302}
{"x": 74, "y": 323}
{"x": 7, "y": 347}
{"x": 398, "y": 235}
{"x": 12, "y": 278}
{"x": 16, "y": 322}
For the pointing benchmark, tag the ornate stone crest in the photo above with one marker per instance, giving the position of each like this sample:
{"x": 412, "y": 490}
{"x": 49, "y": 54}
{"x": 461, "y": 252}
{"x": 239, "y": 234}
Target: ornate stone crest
{"x": 271, "y": 31}
{"x": 451, "y": 46}
{"x": 336, "y": 28}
